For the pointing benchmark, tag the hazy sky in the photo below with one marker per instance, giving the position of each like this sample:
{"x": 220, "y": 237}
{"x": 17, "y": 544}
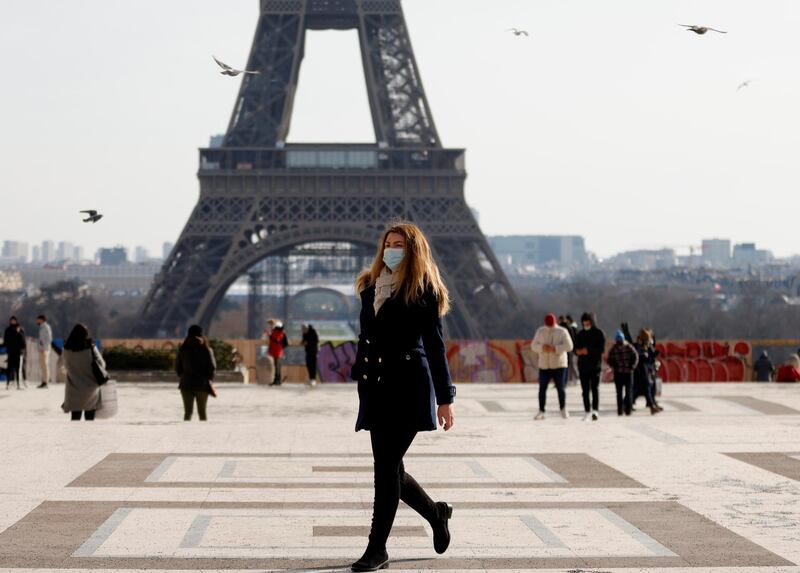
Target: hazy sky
{"x": 609, "y": 121}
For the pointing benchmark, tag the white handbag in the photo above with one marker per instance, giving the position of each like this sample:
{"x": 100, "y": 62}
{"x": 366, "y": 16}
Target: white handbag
{"x": 108, "y": 400}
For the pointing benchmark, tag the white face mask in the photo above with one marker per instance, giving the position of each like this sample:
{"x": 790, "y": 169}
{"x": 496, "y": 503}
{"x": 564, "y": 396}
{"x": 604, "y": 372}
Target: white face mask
{"x": 393, "y": 257}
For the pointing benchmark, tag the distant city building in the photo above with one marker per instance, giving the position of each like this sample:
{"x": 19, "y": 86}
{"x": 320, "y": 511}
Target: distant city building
{"x": 645, "y": 260}
{"x": 36, "y": 254}
{"x": 15, "y": 252}
{"x": 717, "y": 252}
{"x": 140, "y": 255}
{"x": 48, "y": 251}
{"x": 748, "y": 254}
{"x": 77, "y": 253}
{"x": 10, "y": 281}
{"x": 525, "y": 252}
{"x": 116, "y": 279}
{"x": 166, "y": 249}
{"x": 65, "y": 251}
{"x": 112, "y": 256}
{"x": 216, "y": 140}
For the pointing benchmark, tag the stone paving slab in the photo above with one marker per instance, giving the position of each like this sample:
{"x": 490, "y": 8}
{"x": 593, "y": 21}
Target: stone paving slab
{"x": 277, "y": 480}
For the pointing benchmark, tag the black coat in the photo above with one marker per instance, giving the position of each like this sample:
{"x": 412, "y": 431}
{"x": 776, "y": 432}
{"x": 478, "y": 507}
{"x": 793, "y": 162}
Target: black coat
{"x": 595, "y": 342}
{"x": 14, "y": 340}
{"x": 401, "y": 364}
{"x": 311, "y": 342}
{"x": 195, "y": 365}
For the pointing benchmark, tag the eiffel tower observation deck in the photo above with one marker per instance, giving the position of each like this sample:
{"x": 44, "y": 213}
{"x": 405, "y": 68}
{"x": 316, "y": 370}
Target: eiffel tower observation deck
{"x": 261, "y": 197}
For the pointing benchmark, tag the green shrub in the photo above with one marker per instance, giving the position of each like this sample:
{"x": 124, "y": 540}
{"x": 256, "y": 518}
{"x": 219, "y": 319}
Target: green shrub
{"x": 223, "y": 353}
{"x": 123, "y": 358}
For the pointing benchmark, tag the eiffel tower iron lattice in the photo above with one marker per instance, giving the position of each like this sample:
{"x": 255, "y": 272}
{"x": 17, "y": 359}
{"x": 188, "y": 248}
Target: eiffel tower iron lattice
{"x": 260, "y": 197}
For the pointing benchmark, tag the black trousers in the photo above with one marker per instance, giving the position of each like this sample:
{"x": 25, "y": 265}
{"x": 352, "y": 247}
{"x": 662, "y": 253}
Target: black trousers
{"x": 88, "y": 415}
{"x": 14, "y": 361}
{"x": 624, "y": 381}
{"x": 277, "y": 362}
{"x": 590, "y": 383}
{"x": 311, "y": 365}
{"x": 392, "y": 484}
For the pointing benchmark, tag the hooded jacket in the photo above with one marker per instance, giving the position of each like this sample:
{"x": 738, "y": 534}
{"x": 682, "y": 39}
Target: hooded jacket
{"x": 556, "y": 336}
{"x": 593, "y": 340}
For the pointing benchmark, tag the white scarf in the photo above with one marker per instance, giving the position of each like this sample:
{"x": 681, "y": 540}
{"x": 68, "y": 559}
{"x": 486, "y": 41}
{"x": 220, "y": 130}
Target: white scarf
{"x": 384, "y": 288}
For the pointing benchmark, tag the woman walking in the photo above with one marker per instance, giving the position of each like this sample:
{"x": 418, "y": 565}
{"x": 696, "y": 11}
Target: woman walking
{"x": 402, "y": 374}
{"x": 81, "y": 360}
{"x": 195, "y": 365}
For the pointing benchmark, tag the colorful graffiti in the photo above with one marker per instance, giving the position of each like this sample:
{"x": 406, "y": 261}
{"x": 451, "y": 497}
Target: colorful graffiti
{"x": 334, "y": 362}
{"x": 488, "y": 361}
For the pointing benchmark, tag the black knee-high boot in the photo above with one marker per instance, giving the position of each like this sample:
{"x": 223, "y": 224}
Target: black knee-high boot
{"x": 437, "y": 514}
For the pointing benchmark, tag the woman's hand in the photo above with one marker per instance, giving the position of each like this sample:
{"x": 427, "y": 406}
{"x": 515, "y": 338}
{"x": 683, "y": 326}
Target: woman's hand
{"x": 444, "y": 414}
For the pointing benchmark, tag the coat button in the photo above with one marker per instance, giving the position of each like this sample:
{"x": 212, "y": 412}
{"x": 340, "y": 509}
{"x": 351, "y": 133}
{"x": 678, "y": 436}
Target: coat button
{"x": 408, "y": 357}
{"x": 364, "y": 377}
{"x": 380, "y": 360}
{"x": 366, "y": 359}
{"x": 367, "y": 340}
{"x": 379, "y": 378}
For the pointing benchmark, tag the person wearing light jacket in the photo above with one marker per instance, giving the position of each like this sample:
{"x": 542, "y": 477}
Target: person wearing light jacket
{"x": 43, "y": 342}
{"x": 552, "y": 343}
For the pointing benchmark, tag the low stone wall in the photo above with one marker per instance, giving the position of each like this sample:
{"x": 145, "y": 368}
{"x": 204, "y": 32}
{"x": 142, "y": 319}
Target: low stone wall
{"x": 167, "y": 376}
{"x": 500, "y": 361}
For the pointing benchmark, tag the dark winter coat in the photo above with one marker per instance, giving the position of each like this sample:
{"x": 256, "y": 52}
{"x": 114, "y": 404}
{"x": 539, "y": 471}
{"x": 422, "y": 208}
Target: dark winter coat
{"x": 594, "y": 340}
{"x": 14, "y": 340}
{"x": 401, "y": 364}
{"x": 195, "y": 365}
{"x": 311, "y": 341}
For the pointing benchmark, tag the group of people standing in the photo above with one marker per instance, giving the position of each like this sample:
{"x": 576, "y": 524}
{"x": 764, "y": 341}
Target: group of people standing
{"x": 633, "y": 364}
{"x": 278, "y": 341}
{"x": 16, "y": 349}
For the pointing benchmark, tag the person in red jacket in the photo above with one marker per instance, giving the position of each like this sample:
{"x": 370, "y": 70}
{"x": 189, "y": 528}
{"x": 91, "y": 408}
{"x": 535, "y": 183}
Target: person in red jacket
{"x": 789, "y": 372}
{"x": 277, "y": 342}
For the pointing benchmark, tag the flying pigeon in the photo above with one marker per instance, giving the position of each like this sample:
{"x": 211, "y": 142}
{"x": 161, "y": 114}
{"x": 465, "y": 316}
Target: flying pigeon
{"x": 744, "y": 84}
{"x": 700, "y": 30}
{"x": 229, "y": 71}
{"x": 93, "y": 216}
{"x": 518, "y": 32}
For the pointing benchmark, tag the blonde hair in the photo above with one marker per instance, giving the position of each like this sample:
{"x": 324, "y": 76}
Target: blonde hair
{"x": 416, "y": 273}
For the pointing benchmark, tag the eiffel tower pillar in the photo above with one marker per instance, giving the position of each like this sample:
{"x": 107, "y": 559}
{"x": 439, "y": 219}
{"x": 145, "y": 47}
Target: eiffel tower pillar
{"x": 260, "y": 196}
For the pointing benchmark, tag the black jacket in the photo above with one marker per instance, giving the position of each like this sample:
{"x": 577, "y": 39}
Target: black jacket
{"x": 311, "y": 341}
{"x": 14, "y": 340}
{"x": 595, "y": 342}
{"x": 195, "y": 365}
{"x": 401, "y": 364}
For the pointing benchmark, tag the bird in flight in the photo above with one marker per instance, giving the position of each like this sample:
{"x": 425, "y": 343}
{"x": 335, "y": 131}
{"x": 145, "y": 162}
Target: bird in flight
{"x": 229, "y": 71}
{"x": 700, "y": 30}
{"x": 93, "y": 216}
{"x": 518, "y": 32}
{"x": 744, "y": 84}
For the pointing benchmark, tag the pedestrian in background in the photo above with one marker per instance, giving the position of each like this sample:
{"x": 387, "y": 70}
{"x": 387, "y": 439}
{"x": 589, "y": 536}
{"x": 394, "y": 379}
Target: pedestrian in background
{"x": 311, "y": 346}
{"x": 763, "y": 368}
{"x": 622, "y": 359}
{"x": 789, "y": 372}
{"x": 590, "y": 345}
{"x": 83, "y": 363}
{"x": 14, "y": 341}
{"x": 642, "y": 374}
{"x": 277, "y": 343}
{"x": 195, "y": 364}
{"x": 552, "y": 343}
{"x": 43, "y": 342}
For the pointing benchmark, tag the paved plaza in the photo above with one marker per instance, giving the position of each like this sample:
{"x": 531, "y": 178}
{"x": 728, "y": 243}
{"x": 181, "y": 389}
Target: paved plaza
{"x": 277, "y": 480}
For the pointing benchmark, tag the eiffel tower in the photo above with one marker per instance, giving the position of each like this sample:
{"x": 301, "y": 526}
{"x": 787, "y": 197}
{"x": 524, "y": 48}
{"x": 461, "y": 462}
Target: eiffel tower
{"x": 260, "y": 196}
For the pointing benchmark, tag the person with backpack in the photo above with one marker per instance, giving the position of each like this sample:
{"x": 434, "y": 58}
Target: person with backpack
{"x": 623, "y": 359}
{"x": 277, "y": 344}
{"x": 195, "y": 364}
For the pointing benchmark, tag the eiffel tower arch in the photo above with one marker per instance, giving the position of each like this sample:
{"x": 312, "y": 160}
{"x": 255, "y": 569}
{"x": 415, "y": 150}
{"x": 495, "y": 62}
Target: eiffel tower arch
{"x": 260, "y": 196}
